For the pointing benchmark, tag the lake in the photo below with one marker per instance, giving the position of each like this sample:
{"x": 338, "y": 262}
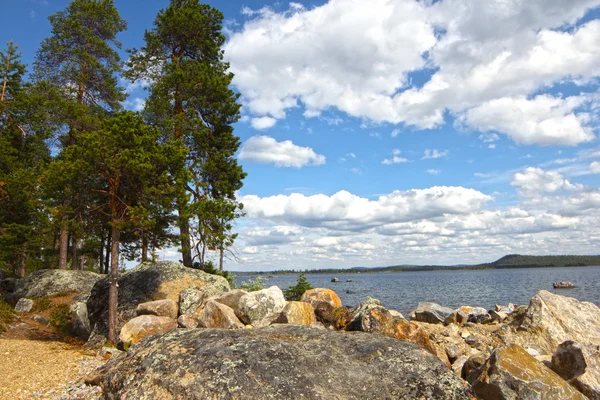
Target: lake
{"x": 402, "y": 291}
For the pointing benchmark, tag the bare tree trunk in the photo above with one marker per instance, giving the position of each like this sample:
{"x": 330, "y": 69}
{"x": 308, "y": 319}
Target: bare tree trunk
{"x": 22, "y": 265}
{"x": 74, "y": 243}
{"x": 184, "y": 237}
{"x": 221, "y": 259}
{"x": 82, "y": 262}
{"x": 64, "y": 246}
{"x": 101, "y": 268}
{"x": 107, "y": 257}
{"x": 144, "y": 245}
{"x": 114, "y": 266}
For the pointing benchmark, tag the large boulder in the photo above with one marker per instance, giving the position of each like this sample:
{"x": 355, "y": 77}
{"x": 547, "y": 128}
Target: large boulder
{"x": 232, "y": 298}
{"x": 146, "y": 325}
{"x": 160, "y": 308}
{"x": 262, "y": 307}
{"x": 8, "y": 285}
{"x": 49, "y": 282}
{"x": 297, "y": 312}
{"x": 432, "y": 313}
{"x": 279, "y": 362}
{"x": 580, "y": 366}
{"x": 511, "y": 373}
{"x": 217, "y": 315}
{"x": 144, "y": 283}
{"x": 191, "y": 300}
{"x": 552, "y": 319}
{"x": 80, "y": 321}
{"x": 323, "y": 300}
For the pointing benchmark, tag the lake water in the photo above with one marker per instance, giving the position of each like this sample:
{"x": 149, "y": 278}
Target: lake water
{"x": 485, "y": 288}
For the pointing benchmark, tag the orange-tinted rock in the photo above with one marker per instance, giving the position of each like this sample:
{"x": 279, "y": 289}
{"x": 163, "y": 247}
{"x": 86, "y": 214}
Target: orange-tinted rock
{"x": 319, "y": 296}
{"x": 160, "y": 308}
{"x": 297, "y": 312}
{"x": 217, "y": 315}
{"x": 146, "y": 325}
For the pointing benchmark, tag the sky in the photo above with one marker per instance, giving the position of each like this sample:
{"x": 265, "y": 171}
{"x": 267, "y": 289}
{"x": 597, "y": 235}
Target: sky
{"x": 389, "y": 132}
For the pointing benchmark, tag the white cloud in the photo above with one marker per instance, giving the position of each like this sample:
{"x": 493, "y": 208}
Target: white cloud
{"x": 265, "y": 149}
{"x": 396, "y": 159}
{"x": 595, "y": 167}
{"x": 536, "y": 181}
{"x": 543, "y": 120}
{"x": 395, "y": 132}
{"x": 434, "y": 153}
{"x": 488, "y": 137}
{"x": 433, "y": 171}
{"x": 263, "y": 123}
{"x": 135, "y": 104}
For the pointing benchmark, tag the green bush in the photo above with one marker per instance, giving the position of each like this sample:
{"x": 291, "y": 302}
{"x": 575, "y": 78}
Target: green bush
{"x": 61, "y": 318}
{"x": 253, "y": 285}
{"x": 294, "y": 293}
{"x": 41, "y": 304}
{"x": 7, "y": 315}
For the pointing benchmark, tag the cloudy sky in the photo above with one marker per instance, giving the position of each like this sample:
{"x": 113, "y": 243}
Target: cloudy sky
{"x": 400, "y": 131}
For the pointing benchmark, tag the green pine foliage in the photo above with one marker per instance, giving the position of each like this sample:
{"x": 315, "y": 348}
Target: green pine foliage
{"x": 294, "y": 293}
{"x": 253, "y": 285}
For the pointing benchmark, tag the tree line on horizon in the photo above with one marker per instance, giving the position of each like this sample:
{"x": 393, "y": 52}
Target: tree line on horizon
{"x": 84, "y": 183}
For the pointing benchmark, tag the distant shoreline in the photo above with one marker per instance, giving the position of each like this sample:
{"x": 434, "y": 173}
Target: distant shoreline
{"x": 512, "y": 261}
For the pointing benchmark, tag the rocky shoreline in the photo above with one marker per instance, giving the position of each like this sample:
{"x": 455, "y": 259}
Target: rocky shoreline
{"x": 185, "y": 334}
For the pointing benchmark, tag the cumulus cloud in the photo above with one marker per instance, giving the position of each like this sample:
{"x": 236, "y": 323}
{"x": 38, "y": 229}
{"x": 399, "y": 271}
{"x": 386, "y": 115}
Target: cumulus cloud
{"x": 536, "y": 181}
{"x": 595, "y": 167}
{"x": 396, "y": 159}
{"x": 434, "y": 153}
{"x": 433, "y": 171}
{"x": 265, "y": 149}
{"x": 263, "y": 123}
{"x": 543, "y": 120}
{"x": 356, "y": 56}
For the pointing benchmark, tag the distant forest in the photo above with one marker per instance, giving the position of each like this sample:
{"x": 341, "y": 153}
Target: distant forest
{"x": 509, "y": 261}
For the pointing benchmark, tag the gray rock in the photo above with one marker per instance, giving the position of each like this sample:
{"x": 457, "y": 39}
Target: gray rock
{"x": 49, "y": 282}
{"x": 24, "y": 305}
{"x": 192, "y": 300}
{"x": 146, "y": 282}
{"x": 279, "y": 362}
{"x": 262, "y": 307}
{"x": 80, "y": 321}
{"x": 41, "y": 320}
{"x": 160, "y": 308}
{"x": 432, "y": 313}
{"x": 457, "y": 317}
{"x": 479, "y": 315}
{"x": 498, "y": 316}
{"x": 511, "y": 373}
{"x": 580, "y": 366}
{"x": 8, "y": 285}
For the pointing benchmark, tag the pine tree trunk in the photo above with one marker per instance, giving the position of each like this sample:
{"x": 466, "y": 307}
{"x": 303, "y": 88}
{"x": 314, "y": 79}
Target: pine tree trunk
{"x": 144, "y": 245}
{"x": 184, "y": 237}
{"x": 82, "y": 262}
{"x": 74, "y": 251}
{"x": 107, "y": 257}
{"x": 114, "y": 266}
{"x": 221, "y": 259}
{"x": 101, "y": 260}
{"x": 22, "y": 265}
{"x": 64, "y": 246}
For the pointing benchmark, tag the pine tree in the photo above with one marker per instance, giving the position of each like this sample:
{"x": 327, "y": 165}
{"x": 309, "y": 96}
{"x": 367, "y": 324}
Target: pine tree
{"x": 190, "y": 100}
{"x": 80, "y": 59}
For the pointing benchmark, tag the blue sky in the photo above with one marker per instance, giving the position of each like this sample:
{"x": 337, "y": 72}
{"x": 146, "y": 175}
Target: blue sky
{"x": 401, "y": 131}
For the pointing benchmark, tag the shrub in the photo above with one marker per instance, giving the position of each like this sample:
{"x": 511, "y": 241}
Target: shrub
{"x": 253, "y": 285}
{"x": 7, "y": 315}
{"x": 41, "y": 304}
{"x": 61, "y": 318}
{"x": 294, "y": 293}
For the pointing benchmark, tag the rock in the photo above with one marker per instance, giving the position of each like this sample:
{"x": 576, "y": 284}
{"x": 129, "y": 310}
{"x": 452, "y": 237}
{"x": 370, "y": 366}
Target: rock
{"x": 146, "y": 325}
{"x": 80, "y": 321}
{"x": 231, "y": 298}
{"x": 458, "y": 364}
{"x": 335, "y": 280}
{"x": 217, "y": 315}
{"x": 160, "y": 308}
{"x": 279, "y": 362}
{"x": 509, "y": 309}
{"x": 8, "y": 285}
{"x": 262, "y": 307}
{"x": 563, "y": 285}
{"x": 552, "y": 319}
{"x": 473, "y": 363}
{"x": 580, "y": 366}
{"x": 324, "y": 301}
{"x": 297, "y": 312}
{"x": 372, "y": 317}
{"x": 24, "y": 305}
{"x": 41, "y": 320}
{"x": 50, "y": 282}
{"x": 477, "y": 315}
{"x": 146, "y": 282}
{"x": 456, "y": 317}
{"x": 3, "y": 274}
{"x": 432, "y": 313}
{"x": 188, "y": 321}
{"x": 453, "y": 352}
{"x": 191, "y": 300}
{"x": 511, "y": 373}
{"x": 498, "y": 316}
{"x": 348, "y": 280}
{"x": 397, "y": 314}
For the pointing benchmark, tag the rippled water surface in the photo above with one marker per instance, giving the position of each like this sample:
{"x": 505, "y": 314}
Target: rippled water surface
{"x": 486, "y": 288}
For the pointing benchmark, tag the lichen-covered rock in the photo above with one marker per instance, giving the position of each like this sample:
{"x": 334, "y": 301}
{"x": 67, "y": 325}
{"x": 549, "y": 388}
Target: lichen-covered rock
{"x": 279, "y": 362}
{"x": 8, "y": 285}
{"x": 188, "y": 321}
{"x": 297, "y": 312}
{"x": 552, "y": 319}
{"x": 512, "y": 373}
{"x": 322, "y": 299}
{"x": 262, "y": 307}
{"x": 231, "y": 298}
{"x": 432, "y": 313}
{"x": 146, "y": 282}
{"x": 477, "y": 315}
{"x": 24, "y": 306}
{"x": 217, "y": 315}
{"x": 457, "y": 317}
{"x": 191, "y": 300}
{"x": 49, "y": 282}
{"x": 80, "y": 321}
{"x": 160, "y": 308}
{"x": 580, "y": 366}
{"x": 146, "y": 325}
